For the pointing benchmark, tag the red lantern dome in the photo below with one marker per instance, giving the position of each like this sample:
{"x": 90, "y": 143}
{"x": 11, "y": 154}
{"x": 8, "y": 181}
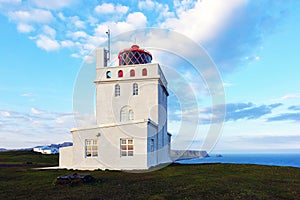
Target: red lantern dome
{"x": 134, "y": 55}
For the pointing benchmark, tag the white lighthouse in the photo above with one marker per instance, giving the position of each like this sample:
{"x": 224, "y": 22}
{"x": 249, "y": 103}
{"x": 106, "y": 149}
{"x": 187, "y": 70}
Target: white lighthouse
{"x": 131, "y": 114}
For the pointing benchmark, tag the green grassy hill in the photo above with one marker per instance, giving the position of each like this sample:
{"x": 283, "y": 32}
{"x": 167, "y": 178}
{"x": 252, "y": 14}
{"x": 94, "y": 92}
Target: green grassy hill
{"x": 19, "y": 180}
{"x": 24, "y": 157}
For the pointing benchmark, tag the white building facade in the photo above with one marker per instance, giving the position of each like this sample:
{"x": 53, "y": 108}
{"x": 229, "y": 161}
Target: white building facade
{"x": 131, "y": 114}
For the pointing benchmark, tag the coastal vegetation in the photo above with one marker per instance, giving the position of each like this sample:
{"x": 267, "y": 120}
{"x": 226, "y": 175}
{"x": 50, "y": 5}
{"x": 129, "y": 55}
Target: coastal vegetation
{"x": 22, "y": 178}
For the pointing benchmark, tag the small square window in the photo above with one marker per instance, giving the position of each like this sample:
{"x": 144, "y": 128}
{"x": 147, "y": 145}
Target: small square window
{"x": 126, "y": 147}
{"x": 91, "y": 148}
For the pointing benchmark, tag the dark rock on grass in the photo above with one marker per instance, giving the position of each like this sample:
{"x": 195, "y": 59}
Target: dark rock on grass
{"x": 74, "y": 179}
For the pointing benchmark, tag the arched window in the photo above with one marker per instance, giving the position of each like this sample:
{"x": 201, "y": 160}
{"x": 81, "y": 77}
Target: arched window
{"x": 144, "y": 72}
{"x": 108, "y": 74}
{"x": 126, "y": 114}
{"x": 135, "y": 89}
{"x": 117, "y": 90}
{"x": 123, "y": 115}
{"x": 120, "y": 73}
{"x": 130, "y": 115}
{"x": 132, "y": 73}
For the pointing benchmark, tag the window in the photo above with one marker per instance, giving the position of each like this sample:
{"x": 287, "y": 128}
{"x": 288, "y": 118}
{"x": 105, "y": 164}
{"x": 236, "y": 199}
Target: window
{"x": 126, "y": 147}
{"x": 123, "y": 115}
{"x": 135, "y": 89}
{"x": 108, "y": 74}
{"x": 144, "y": 72}
{"x": 152, "y": 145}
{"x": 163, "y": 138}
{"x": 131, "y": 115}
{"x": 117, "y": 90}
{"x": 132, "y": 73}
{"x": 126, "y": 114}
{"x": 91, "y": 148}
{"x": 120, "y": 73}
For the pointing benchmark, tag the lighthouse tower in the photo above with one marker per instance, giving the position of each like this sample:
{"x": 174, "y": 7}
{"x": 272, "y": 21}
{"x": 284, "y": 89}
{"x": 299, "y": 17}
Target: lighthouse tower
{"x": 131, "y": 114}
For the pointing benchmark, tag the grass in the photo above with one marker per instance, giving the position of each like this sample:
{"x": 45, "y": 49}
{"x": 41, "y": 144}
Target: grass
{"x": 206, "y": 181}
{"x": 25, "y": 157}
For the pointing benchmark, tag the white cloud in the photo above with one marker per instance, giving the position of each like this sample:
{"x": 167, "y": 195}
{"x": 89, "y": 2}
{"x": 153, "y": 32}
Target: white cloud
{"x": 27, "y": 129}
{"x": 290, "y": 96}
{"x": 5, "y": 113}
{"x": 49, "y": 31}
{"x": 77, "y": 22}
{"x": 136, "y": 19}
{"x": 92, "y": 20}
{"x": 121, "y": 9}
{"x": 10, "y": 1}
{"x": 47, "y": 43}
{"x": 75, "y": 55}
{"x": 34, "y": 15}
{"x": 36, "y": 111}
{"x": 67, "y": 43}
{"x": 204, "y": 21}
{"x": 77, "y": 34}
{"x": 183, "y": 5}
{"x": 53, "y": 4}
{"x": 165, "y": 13}
{"x": 162, "y": 9}
{"x": 101, "y": 29}
{"x": 109, "y": 8}
{"x": 26, "y": 95}
{"x": 25, "y": 28}
{"x": 65, "y": 119}
{"x": 227, "y": 84}
{"x": 147, "y": 5}
{"x": 61, "y": 16}
{"x": 105, "y": 8}
{"x": 133, "y": 21}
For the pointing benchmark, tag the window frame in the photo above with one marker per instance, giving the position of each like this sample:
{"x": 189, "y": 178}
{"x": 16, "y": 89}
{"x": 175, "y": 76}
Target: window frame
{"x": 120, "y": 74}
{"x": 108, "y": 74}
{"x": 117, "y": 90}
{"x": 130, "y": 115}
{"x": 91, "y": 148}
{"x": 152, "y": 145}
{"x": 135, "y": 89}
{"x": 126, "y": 147}
{"x": 123, "y": 115}
{"x": 132, "y": 73}
{"x": 144, "y": 72}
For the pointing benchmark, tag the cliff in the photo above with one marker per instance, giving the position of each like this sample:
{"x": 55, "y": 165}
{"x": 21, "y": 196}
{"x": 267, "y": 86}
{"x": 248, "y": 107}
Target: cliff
{"x": 187, "y": 154}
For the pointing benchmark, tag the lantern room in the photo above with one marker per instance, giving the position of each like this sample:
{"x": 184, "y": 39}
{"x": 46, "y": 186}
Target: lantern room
{"x": 134, "y": 55}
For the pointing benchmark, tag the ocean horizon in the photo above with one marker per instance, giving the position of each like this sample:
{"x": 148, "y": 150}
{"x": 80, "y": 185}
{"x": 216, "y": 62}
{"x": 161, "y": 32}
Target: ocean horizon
{"x": 286, "y": 160}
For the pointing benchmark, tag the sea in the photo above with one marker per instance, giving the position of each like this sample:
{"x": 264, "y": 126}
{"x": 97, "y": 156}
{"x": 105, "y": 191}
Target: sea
{"x": 291, "y": 160}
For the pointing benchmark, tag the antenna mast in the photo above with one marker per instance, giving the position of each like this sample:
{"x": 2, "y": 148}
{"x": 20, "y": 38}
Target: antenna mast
{"x": 108, "y": 44}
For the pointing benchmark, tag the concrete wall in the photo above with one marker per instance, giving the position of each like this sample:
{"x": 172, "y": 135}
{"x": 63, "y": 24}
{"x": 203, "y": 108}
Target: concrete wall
{"x": 108, "y": 138}
{"x": 152, "y": 155}
{"x": 109, "y": 152}
{"x": 145, "y": 104}
{"x": 66, "y": 157}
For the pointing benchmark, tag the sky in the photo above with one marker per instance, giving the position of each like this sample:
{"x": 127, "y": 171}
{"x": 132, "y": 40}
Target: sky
{"x": 254, "y": 45}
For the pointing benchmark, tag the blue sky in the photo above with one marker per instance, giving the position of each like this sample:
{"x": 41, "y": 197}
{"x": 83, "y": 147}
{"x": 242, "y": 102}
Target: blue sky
{"x": 254, "y": 44}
